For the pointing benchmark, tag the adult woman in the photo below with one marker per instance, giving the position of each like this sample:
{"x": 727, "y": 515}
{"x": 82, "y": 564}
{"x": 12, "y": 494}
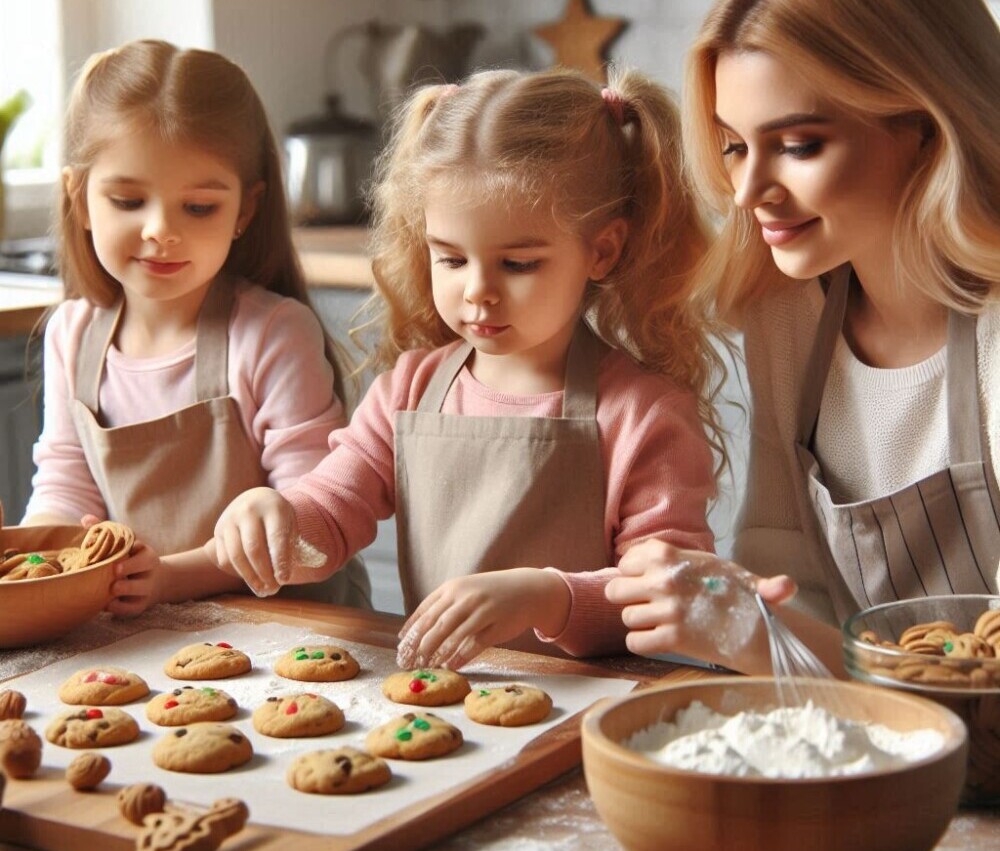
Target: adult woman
{"x": 860, "y": 154}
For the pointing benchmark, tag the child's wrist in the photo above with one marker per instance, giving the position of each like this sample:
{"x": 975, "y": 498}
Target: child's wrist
{"x": 553, "y": 600}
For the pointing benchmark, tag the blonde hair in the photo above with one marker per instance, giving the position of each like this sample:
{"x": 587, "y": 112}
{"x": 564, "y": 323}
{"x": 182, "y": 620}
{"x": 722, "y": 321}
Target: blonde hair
{"x": 935, "y": 63}
{"x": 551, "y": 138}
{"x": 193, "y": 97}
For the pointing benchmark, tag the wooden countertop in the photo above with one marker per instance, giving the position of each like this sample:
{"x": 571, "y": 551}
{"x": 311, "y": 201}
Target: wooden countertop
{"x": 331, "y": 257}
{"x": 557, "y": 815}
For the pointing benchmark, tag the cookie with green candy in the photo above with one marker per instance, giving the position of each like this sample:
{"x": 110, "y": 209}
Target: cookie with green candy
{"x": 414, "y": 735}
{"x": 425, "y": 687}
{"x": 188, "y": 705}
{"x": 317, "y": 663}
{"x": 511, "y": 705}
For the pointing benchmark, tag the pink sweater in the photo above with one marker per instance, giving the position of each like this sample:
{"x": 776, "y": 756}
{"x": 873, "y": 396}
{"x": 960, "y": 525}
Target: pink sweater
{"x": 278, "y": 376}
{"x": 658, "y": 474}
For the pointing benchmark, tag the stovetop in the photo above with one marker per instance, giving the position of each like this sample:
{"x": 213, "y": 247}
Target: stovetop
{"x": 29, "y": 256}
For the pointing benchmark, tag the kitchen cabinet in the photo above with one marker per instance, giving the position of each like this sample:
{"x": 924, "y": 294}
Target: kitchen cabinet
{"x": 20, "y": 421}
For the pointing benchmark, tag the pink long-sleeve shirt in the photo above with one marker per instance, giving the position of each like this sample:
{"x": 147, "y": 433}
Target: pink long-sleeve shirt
{"x": 278, "y": 375}
{"x": 657, "y": 462}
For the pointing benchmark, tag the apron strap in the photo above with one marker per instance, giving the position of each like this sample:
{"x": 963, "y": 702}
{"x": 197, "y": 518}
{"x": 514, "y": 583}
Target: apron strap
{"x": 831, "y": 323}
{"x": 211, "y": 359}
{"x": 964, "y": 429}
{"x": 93, "y": 350}
{"x": 433, "y": 399}
{"x": 579, "y": 395}
{"x": 211, "y": 355}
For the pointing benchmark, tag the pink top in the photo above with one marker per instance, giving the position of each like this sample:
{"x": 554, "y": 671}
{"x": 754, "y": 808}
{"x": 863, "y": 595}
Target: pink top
{"x": 657, "y": 461}
{"x": 278, "y": 375}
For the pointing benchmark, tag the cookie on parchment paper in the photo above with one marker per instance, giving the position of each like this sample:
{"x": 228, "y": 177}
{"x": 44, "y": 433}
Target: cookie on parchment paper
{"x": 340, "y": 771}
{"x": 426, "y": 687}
{"x": 414, "y": 735}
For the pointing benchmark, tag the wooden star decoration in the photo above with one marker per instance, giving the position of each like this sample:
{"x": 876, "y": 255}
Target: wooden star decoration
{"x": 581, "y": 39}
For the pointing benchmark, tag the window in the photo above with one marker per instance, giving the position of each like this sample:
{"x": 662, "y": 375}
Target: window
{"x": 30, "y": 60}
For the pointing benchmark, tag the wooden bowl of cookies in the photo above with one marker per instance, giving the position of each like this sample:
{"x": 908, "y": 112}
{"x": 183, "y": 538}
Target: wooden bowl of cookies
{"x": 652, "y": 804}
{"x": 945, "y": 648}
{"x": 55, "y": 578}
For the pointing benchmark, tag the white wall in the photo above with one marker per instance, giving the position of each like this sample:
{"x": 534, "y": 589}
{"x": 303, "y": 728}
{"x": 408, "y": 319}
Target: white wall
{"x": 281, "y": 45}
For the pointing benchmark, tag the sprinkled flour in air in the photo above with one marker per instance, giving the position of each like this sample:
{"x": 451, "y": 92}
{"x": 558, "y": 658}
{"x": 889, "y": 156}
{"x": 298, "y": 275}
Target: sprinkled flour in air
{"x": 793, "y": 742}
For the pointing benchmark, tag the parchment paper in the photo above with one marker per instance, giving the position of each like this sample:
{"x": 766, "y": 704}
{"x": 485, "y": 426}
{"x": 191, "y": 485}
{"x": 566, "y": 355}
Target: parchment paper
{"x": 261, "y": 783}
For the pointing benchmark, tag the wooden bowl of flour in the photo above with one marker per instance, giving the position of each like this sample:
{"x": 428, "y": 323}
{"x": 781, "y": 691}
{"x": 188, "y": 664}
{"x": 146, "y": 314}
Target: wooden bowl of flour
{"x": 650, "y": 806}
{"x": 33, "y": 611}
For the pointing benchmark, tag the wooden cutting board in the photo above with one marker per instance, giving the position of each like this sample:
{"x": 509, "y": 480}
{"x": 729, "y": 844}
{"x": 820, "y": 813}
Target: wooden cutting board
{"x": 45, "y": 813}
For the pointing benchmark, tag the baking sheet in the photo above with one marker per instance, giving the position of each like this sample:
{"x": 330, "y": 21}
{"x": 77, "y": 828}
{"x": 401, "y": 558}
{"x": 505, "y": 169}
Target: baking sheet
{"x": 261, "y": 782}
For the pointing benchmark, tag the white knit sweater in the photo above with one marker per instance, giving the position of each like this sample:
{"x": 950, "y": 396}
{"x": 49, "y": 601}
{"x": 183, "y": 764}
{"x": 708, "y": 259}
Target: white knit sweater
{"x": 885, "y": 448}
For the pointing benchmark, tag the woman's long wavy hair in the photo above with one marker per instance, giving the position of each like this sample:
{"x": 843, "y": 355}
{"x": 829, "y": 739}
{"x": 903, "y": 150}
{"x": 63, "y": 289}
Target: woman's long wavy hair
{"x": 550, "y": 138}
{"x": 191, "y": 97}
{"x": 938, "y": 63}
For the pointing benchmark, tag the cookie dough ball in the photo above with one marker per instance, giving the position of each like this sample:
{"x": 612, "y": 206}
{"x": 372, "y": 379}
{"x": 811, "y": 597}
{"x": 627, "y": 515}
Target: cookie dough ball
{"x": 207, "y": 661}
{"x": 414, "y": 735}
{"x": 87, "y": 771}
{"x": 508, "y": 706}
{"x": 20, "y": 749}
{"x": 92, "y": 727}
{"x": 140, "y": 800}
{"x": 317, "y": 663}
{"x": 189, "y": 705}
{"x": 103, "y": 686}
{"x": 341, "y": 771}
{"x": 430, "y": 687}
{"x": 204, "y": 748}
{"x": 12, "y": 704}
{"x": 297, "y": 716}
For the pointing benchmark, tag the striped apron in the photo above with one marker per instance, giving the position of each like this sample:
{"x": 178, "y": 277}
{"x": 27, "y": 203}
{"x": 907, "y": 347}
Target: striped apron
{"x": 938, "y": 535}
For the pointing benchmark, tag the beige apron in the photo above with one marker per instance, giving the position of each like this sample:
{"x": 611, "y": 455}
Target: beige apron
{"x": 475, "y": 494}
{"x": 939, "y": 535}
{"x": 170, "y": 478}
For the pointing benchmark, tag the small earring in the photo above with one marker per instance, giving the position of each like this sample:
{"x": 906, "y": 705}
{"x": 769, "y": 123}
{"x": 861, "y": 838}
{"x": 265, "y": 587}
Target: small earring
{"x": 239, "y": 233}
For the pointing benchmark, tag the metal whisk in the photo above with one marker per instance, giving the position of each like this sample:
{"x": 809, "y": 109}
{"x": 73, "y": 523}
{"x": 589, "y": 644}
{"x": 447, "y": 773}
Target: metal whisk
{"x": 792, "y": 659}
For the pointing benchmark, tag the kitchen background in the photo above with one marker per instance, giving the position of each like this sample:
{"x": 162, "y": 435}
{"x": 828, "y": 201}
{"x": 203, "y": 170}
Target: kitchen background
{"x": 297, "y": 53}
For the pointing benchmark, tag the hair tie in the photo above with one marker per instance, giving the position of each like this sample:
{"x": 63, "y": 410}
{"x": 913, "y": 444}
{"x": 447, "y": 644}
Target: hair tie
{"x": 616, "y": 105}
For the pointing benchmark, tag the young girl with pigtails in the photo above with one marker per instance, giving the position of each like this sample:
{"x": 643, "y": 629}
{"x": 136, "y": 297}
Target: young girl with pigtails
{"x": 185, "y": 363}
{"x": 547, "y": 403}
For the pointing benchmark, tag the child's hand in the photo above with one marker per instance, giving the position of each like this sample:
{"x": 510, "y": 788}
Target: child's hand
{"x": 470, "y": 614}
{"x": 690, "y": 602}
{"x": 253, "y": 539}
{"x": 137, "y": 582}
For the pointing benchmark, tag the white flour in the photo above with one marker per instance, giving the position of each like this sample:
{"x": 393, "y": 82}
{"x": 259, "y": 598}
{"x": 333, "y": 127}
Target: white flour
{"x": 793, "y": 742}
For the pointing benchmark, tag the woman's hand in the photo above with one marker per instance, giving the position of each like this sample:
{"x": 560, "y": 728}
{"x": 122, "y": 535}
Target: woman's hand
{"x": 253, "y": 540}
{"x": 470, "y": 614}
{"x": 693, "y": 603}
{"x": 137, "y": 582}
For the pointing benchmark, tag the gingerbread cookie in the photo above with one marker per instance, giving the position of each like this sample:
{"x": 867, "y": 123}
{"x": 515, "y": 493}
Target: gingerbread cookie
{"x": 431, "y": 687}
{"x": 34, "y": 566}
{"x": 343, "y": 771}
{"x": 508, "y": 706}
{"x": 104, "y": 686}
{"x": 189, "y": 705}
{"x": 105, "y": 540}
{"x": 92, "y": 728}
{"x": 988, "y": 628}
{"x": 12, "y": 704}
{"x": 182, "y": 829}
{"x": 317, "y": 663}
{"x": 205, "y": 748}
{"x": 297, "y": 716}
{"x": 20, "y": 749}
{"x": 414, "y": 735}
{"x": 87, "y": 771}
{"x": 207, "y": 661}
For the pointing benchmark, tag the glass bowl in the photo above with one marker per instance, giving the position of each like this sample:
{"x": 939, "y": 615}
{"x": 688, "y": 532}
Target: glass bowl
{"x": 947, "y": 649}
